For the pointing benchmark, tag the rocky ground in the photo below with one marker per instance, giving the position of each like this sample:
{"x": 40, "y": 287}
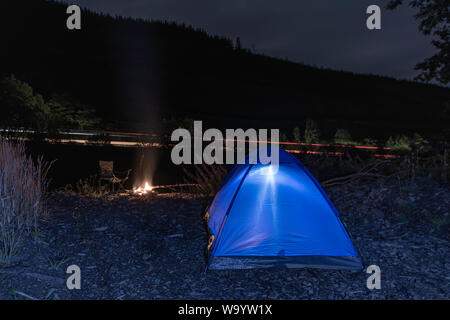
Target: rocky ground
{"x": 152, "y": 247}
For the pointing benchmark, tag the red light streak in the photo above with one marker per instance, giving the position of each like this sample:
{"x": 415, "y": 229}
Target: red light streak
{"x": 262, "y": 141}
{"x": 281, "y": 143}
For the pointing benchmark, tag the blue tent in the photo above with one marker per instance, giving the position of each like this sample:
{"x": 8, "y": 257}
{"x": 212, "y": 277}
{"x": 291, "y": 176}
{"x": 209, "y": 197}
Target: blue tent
{"x": 262, "y": 218}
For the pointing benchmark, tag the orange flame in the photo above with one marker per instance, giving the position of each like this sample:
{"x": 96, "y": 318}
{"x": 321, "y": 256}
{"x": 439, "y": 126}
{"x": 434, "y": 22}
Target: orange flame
{"x": 143, "y": 189}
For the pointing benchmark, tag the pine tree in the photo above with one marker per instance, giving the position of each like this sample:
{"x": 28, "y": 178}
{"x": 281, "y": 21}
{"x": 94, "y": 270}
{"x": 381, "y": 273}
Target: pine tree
{"x": 238, "y": 44}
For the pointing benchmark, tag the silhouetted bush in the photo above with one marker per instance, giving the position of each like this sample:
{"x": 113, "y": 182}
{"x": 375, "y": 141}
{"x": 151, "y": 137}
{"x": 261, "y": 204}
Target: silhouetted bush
{"x": 342, "y": 136}
{"x": 312, "y": 132}
{"x": 22, "y": 107}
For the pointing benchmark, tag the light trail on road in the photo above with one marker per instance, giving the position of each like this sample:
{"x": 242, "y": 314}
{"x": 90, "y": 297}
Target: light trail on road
{"x": 133, "y": 135}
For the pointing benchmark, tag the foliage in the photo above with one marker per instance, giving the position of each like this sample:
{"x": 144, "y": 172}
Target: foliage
{"x": 426, "y": 160}
{"x": 22, "y": 107}
{"x": 297, "y": 135}
{"x": 434, "y": 19}
{"x": 89, "y": 187}
{"x": 312, "y": 132}
{"x": 157, "y": 69}
{"x": 68, "y": 114}
{"x": 406, "y": 144}
{"x": 342, "y": 136}
{"x": 398, "y": 143}
{"x": 369, "y": 142}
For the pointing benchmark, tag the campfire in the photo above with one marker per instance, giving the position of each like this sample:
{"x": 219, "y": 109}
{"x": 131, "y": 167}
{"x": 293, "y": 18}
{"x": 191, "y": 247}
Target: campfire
{"x": 143, "y": 189}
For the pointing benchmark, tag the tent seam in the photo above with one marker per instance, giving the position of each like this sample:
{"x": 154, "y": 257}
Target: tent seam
{"x": 229, "y": 209}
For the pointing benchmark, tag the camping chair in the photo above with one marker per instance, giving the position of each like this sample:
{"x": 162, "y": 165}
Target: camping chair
{"x": 108, "y": 174}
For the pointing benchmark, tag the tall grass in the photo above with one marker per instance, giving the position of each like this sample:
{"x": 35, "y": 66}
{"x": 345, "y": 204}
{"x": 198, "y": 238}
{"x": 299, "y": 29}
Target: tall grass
{"x": 22, "y": 188}
{"x": 89, "y": 187}
{"x": 207, "y": 178}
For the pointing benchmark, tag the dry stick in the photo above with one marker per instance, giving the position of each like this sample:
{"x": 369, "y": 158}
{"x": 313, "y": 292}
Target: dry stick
{"x": 176, "y": 186}
{"x": 364, "y": 172}
{"x": 350, "y": 178}
{"x": 25, "y": 295}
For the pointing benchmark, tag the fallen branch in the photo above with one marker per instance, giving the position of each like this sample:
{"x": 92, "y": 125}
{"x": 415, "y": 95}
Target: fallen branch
{"x": 176, "y": 235}
{"x": 369, "y": 171}
{"x": 25, "y": 295}
{"x": 171, "y": 186}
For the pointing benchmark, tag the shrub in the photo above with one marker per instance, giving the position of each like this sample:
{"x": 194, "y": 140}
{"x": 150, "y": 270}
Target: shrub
{"x": 22, "y": 188}
{"x": 22, "y": 106}
{"x": 342, "y": 136}
{"x": 399, "y": 143}
{"x": 297, "y": 135}
{"x": 88, "y": 187}
{"x": 370, "y": 142}
{"x": 408, "y": 143}
{"x": 312, "y": 132}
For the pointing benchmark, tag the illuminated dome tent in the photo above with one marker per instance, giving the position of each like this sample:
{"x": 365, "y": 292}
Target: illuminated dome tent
{"x": 264, "y": 218}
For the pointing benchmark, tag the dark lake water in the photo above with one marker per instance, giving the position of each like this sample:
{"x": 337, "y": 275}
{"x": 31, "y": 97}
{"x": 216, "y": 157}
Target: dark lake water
{"x": 74, "y": 162}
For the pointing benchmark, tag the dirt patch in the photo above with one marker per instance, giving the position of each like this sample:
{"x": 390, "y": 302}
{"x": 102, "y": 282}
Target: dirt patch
{"x": 152, "y": 247}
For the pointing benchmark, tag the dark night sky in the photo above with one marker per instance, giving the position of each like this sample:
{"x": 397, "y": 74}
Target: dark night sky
{"x": 324, "y": 33}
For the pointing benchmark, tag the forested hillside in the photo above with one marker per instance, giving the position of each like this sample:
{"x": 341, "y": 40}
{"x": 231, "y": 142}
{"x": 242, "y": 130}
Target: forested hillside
{"x": 134, "y": 73}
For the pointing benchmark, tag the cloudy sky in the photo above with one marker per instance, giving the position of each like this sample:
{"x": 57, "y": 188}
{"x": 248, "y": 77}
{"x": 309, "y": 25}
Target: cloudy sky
{"x": 324, "y": 33}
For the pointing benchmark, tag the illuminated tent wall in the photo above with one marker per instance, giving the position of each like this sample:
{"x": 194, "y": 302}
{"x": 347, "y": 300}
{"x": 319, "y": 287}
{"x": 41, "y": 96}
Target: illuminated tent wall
{"x": 261, "y": 218}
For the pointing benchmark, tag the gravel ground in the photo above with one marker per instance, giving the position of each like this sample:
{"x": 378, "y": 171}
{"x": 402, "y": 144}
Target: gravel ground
{"x": 152, "y": 247}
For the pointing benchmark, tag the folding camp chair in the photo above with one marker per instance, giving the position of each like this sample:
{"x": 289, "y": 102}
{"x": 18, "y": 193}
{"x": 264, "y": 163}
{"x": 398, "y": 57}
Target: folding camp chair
{"x": 108, "y": 174}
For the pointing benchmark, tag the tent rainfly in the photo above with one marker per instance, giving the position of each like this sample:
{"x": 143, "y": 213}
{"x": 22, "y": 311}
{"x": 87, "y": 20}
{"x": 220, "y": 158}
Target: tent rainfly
{"x": 265, "y": 216}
